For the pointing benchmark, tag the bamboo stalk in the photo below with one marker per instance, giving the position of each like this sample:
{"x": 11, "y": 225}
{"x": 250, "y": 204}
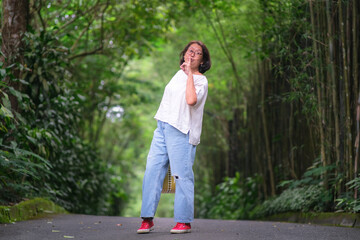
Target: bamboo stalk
{"x": 356, "y": 79}
{"x": 332, "y": 73}
{"x": 266, "y": 135}
{"x": 319, "y": 95}
{"x": 348, "y": 138}
{"x": 355, "y": 30}
{"x": 357, "y": 143}
{"x": 292, "y": 151}
{"x": 256, "y": 136}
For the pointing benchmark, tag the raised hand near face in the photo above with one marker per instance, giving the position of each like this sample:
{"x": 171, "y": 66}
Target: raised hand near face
{"x": 186, "y": 65}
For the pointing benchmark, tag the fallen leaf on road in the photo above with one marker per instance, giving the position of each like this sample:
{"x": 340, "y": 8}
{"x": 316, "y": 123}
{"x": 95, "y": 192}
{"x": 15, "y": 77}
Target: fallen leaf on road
{"x": 69, "y": 237}
{"x": 119, "y": 225}
{"x": 55, "y": 231}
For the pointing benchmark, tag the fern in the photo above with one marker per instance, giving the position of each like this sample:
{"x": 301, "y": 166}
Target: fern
{"x": 22, "y": 172}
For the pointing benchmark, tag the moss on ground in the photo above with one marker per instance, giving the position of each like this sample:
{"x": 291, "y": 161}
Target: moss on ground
{"x": 30, "y": 209}
{"x": 322, "y": 218}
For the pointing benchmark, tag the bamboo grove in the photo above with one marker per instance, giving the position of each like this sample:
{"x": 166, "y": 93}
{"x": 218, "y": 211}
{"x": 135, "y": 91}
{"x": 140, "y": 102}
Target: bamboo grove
{"x": 300, "y": 115}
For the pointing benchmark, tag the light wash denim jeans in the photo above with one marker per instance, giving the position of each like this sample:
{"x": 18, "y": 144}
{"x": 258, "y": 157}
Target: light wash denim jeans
{"x": 169, "y": 145}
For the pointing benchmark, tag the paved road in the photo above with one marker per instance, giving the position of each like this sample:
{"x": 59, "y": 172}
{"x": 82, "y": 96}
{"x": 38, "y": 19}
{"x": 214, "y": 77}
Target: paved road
{"x": 119, "y": 228}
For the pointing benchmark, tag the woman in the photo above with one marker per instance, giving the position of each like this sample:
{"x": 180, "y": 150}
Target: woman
{"x": 179, "y": 122}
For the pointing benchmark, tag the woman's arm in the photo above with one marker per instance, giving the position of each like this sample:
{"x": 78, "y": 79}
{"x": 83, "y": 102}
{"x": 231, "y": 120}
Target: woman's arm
{"x": 190, "y": 93}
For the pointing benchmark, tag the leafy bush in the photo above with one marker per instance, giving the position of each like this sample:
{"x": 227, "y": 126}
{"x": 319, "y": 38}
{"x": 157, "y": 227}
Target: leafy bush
{"x": 302, "y": 195}
{"x": 301, "y": 199}
{"x": 234, "y": 198}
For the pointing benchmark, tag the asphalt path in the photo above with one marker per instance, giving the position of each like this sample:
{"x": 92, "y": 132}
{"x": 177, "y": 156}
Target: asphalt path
{"x": 88, "y": 227}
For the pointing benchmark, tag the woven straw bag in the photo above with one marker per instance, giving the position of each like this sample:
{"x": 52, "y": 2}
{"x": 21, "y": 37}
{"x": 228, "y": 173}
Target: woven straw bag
{"x": 169, "y": 183}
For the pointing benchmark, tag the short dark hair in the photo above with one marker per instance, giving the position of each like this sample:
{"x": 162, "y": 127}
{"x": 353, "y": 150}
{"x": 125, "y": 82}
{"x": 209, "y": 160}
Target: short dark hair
{"x": 206, "y": 56}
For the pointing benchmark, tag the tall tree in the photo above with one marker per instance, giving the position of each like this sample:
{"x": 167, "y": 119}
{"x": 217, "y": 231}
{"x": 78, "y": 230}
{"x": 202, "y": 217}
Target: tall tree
{"x": 15, "y": 21}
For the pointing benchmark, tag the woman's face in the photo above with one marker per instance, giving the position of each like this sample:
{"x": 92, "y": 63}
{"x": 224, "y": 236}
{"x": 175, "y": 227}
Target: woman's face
{"x": 194, "y": 54}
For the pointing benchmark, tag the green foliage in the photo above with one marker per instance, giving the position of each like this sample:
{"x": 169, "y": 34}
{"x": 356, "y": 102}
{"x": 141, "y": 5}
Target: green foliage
{"x": 300, "y": 199}
{"x": 234, "y": 198}
{"x": 76, "y": 177}
{"x": 22, "y": 170}
{"x": 347, "y": 201}
{"x": 302, "y": 195}
{"x": 286, "y": 42}
{"x": 21, "y": 174}
{"x": 314, "y": 175}
{"x": 81, "y": 181}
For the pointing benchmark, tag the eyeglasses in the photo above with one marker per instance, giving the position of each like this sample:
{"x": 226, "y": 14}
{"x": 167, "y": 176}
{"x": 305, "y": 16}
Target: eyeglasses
{"x": 191, "y": 52}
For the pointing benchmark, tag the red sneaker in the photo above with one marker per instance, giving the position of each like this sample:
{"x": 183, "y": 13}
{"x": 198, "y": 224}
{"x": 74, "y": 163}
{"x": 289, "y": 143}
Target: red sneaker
{"x": 181, "y": 228}
{"x": 147, "y": 225}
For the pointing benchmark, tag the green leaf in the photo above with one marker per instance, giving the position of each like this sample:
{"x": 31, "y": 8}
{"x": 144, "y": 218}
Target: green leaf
{"x": 6, "y": 112}
{"x": 24, "y": 82}
{"x": 31, "y": 139}
{"x": 20, "y": 118}
{"x": 2, "y": 72}
{"x": 45, "y": 84}
{"x": 16, "y": 93}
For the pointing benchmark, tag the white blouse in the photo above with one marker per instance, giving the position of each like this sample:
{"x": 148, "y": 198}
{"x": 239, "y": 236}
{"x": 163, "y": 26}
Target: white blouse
{"x": 175, "y": 111}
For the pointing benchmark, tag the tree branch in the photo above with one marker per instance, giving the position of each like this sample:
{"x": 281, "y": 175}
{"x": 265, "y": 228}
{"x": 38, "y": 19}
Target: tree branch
{"x": 40, "y": 17}
{"x": 78, "y": 14}
{"x": 83, "y": 54}
{"x": 80, "y": 36}
{"x": 101, "y": 47}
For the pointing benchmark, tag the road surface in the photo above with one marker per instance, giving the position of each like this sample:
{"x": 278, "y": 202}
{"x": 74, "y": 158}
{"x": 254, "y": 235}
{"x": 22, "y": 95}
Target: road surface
{"x": 87, "y": 227}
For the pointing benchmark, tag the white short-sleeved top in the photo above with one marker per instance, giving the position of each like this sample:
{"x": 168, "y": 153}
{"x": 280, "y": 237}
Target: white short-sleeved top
{"x": 175, "y": 111}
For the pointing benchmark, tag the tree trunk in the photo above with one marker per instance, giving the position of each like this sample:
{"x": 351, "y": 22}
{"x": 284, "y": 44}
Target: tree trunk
{"x": 15, "y": 21}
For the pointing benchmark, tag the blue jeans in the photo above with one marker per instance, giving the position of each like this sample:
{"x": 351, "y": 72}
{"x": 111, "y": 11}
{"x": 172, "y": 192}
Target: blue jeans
{"x": 169, "y": 145}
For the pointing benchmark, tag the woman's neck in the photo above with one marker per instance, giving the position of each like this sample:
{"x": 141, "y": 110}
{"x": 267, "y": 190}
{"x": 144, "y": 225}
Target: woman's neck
{"x": 195, "y": 71}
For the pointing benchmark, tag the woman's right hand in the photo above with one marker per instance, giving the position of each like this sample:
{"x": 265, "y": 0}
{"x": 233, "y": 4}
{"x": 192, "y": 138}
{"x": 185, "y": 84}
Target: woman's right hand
{"x": 186, "y": 66}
